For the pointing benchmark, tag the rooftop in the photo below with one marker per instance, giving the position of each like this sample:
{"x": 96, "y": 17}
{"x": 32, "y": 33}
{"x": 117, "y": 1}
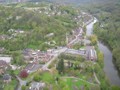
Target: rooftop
{"x": 2, "y": 63}
{"x": 6, "y": 59}
{"x": 6, "y": 77}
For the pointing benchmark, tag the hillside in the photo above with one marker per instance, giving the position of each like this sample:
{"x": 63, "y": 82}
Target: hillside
{"x": 41, "y": 25}
{"x": 47, "y": 44}
{"x": 108, "y": 27}
{"x": 75, "y": 2}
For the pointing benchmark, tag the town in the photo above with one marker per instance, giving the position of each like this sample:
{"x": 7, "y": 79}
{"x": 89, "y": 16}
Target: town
{"x": 39, "y": 68}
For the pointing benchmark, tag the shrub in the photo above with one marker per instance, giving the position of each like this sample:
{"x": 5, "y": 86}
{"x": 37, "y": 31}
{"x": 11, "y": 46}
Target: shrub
{"x": 23, "y": 74}
{"x": 23, "y": 87}
{"x": 37, "y": 78}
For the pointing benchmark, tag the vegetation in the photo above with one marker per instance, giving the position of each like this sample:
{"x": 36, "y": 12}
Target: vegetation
{"x": 60, "y": 66}
{"x": 23, "y": 74}
{"x": 12, "y": 85}
{"x": 71, "y": 57}
{"x": 93, "y": 39}
{"x": 32, "y": 22}
{"x": 43, "y": 26}
{"x": 108, "y": 27}
{"x": 37, "y": 78}
{"x": 23, "y": 87}
{"x": 100, "y": 57}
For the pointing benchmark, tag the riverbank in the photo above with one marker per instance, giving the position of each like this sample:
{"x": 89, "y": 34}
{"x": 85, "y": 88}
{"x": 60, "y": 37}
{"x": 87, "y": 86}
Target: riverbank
{"x": 111, "y": 49}
{"x": 109, "y": 68}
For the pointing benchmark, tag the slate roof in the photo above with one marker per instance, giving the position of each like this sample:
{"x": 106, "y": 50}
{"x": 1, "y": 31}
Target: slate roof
{"x": 2, "y": 63}
{"x": 6, "y": 77}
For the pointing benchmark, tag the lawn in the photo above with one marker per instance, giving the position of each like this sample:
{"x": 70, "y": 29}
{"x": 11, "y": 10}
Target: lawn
{"x": 16, "y": 72}
{"x": 11, "y": 85}
{"x": 47, "y": 77}
{"x": 78, "y": 84}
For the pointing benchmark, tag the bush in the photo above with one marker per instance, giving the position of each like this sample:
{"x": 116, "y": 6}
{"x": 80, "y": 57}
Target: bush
{"x": 23, "y": 74}
{"x": 23, "y": 87}
{"x": 37, "y": 78}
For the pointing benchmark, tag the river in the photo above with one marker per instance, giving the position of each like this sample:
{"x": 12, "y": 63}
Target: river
{"x": 109, "y": 68}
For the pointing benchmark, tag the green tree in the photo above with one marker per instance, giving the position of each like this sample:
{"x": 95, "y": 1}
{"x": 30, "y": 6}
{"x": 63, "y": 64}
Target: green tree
{"x": 23, "y": 87}
{"x": 60, "y": 66}
{"x": 100, "y": 59}
{"x": 37, "y": 78}
{"x": 93, "y": 39}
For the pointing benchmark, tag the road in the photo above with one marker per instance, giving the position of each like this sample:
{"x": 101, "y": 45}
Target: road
{"x": 63, "y": 49}
{"x": 55, "y": 56}
{"x": 21, "y": 82}
{"x": 77, "y": 37}
{"x": 57, "y": 53}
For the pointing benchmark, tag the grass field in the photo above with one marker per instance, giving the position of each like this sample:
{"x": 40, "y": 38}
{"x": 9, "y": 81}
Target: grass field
{"x": 11, "y": 85}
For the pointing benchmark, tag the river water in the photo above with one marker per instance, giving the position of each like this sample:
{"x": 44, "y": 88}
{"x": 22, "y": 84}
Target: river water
{"x": 109, "y": 68}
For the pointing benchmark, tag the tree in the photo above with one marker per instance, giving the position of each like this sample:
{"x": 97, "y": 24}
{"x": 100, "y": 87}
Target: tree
{"x": 23, "y": 87}
{"x": 93, "y": 39}
{"x": 17, "y": 58}
{"x": 23, "y": 74}
{"x": 101, "y": 59}
{"x": 115, "y": 88}
{"x": 69, "y": 63}
{"x": 60, "y": 66}
{"x": 37, "y": 78}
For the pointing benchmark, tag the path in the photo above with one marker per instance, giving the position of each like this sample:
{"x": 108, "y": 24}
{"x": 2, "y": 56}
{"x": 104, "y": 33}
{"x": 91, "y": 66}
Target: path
{"x": 55, "y": 56}
{"x": 96, "y": 78}
{"x": 21, "y": 82}
{"x": 81, "y": 80}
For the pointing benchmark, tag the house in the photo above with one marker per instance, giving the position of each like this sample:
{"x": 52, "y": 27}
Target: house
{"x": 6, "y": 59}
{"x": 3, "y": 37}
{"x": 91, "y": 53}
{"x": 50, "y": 35}
{"x": 3, "y": 66}
{"x": 37, "y": 86}
{"x": 27, "y": 53}
{"x": 1, "y": 71}
{"x": 34, "y": 56}
{"x": 6, "y": 78}
{"x": 2, "y": 49}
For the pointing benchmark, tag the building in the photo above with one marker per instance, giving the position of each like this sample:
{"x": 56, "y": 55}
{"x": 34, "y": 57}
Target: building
{"x": 6, "y": 78}
{"x": 36, "y": 56}
{"x": 91, "y": 53}
{"x": 27, "y": 53}
{"x": 2, "y": 49}
{"x": 3, "y": 66}
{"x": 37, "y": 86}
{"x": 6, "y": 59}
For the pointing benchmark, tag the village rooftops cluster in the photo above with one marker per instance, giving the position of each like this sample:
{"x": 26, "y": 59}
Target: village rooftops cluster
{"x": 75, "y": 36}
{"x": 4, "y": 37}
{"x": 49, "y": 10}
{"x": 16, "y": 32}
{"x": 89, "y": 53}
{"x": 12, "y": 33}
{"x": 36, "y": 56}
{"x": 4, "y": 64}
